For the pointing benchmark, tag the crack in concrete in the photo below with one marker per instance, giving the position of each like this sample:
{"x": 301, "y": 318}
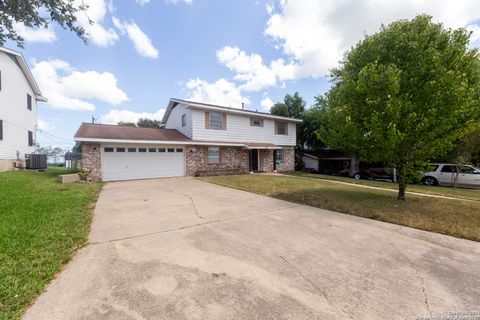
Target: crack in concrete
{"x": 207, "y": 222}
{"x": 314, "y": 286}
{"x": 422, "y": 280}
{"x": 192, "y": 202}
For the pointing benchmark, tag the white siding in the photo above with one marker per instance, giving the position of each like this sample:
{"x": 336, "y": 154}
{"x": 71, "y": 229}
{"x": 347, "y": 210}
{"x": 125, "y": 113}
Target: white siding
{"x": 174, "y": 120}
{"x": 17, "y": 119}
{"x": 239, "y": 130}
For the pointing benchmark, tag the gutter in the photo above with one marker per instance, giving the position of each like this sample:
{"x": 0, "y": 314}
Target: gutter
{"x": 170, "y": 142}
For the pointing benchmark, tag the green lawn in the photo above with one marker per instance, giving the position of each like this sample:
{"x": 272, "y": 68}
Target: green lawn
{"x": 457, "y": 218}
{"x": 472, "y": 194}
{"x": 42, "y": 224}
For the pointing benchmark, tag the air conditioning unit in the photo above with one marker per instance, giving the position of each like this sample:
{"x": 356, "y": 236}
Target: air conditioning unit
{"x": 36, "y": 161}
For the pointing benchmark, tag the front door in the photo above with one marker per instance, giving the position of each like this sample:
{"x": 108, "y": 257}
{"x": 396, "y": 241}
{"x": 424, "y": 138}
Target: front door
{"x": 254, "y": 160}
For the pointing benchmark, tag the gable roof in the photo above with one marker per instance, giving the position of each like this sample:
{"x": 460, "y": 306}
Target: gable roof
{"x": 88, "y": 131}
{"x": 206, "y": 106}
{"x": 26, "y": 71}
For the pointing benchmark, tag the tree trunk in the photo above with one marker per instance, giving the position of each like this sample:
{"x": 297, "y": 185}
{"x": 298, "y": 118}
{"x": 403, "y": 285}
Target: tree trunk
{"x": 402, "y": 182}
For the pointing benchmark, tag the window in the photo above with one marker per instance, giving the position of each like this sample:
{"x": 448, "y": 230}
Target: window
{"x": 132, "y": 149}
{"x": 108, "y": 149}
{"x": 213, "y": 155}
{"x": 281, "y": 128}
{"x": 161, "y": 149}
{"x": 171, "y": 150}
{"x": 1, "y": 129}
{"x": 278, "y": 155}
{"x": 0, "y": 80}
{"x": 468, "y": 170}
{"x": 216, "y": 120}
{"x": 184, "y": 120}
{"x": 29, "y": 102}
{"x": 179, "y": 150}
{"x": 142, "y": 149}
{"x": 448, "y": 169}
{"x": 152, "y": 149}
{"x": 30, "y": 138}
{"x": 255, "y": 122}
{"x": 120, "y": 149}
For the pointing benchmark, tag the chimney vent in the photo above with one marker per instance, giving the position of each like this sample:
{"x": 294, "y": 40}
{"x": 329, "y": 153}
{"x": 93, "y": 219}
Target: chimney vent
{"x": 243, "y": 106}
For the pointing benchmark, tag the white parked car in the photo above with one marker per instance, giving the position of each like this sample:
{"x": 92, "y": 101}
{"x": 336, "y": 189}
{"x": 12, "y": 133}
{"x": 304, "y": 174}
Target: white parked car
{"x": 446, "y": 174}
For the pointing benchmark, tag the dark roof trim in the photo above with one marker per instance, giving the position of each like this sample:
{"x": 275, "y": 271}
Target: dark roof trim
{"x": 200, "y": 105}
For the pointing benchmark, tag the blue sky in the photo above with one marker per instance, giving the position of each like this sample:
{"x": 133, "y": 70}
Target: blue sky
{"x": 140, "y": 53}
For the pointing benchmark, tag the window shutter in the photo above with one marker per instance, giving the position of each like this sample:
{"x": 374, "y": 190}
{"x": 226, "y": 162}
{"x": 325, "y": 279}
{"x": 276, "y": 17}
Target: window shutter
{"x": 1, "y": 129}
{"x": 205, "y": 155}
{"x": 207, "y": 120}
{"x": 260, "y": 164}
{"x": 286, "y": 128}
{"x": 30, "y": 138}
{"x": 276, "y": 127}
{"x": 222, "y": 155}
{"x": 224, "y": 122}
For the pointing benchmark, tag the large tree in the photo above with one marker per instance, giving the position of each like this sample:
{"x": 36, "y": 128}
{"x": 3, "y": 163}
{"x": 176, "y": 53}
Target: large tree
{"x": 292, "y": 106}
{"x": 404, "y": 95}
{"x": 38, "y": 14}
{"x": 148, "y": 123}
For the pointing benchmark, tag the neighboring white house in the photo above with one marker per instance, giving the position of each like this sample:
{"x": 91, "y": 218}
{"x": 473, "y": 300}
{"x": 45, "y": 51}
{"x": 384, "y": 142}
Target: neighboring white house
{"x": 198, "y": 139}
{"x": 18, "y": 108}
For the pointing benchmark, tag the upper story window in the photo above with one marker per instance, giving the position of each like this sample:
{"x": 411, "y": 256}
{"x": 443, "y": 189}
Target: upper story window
{"x": 29, "y": 102}
{"x": 0, "y": 80}
{"x": 30, "y": 138}
{"x": 184, "y": 120}
{"x": 281, "y": 128}
{"x": 215, "y": 120}
{"x": 256, "y": 122}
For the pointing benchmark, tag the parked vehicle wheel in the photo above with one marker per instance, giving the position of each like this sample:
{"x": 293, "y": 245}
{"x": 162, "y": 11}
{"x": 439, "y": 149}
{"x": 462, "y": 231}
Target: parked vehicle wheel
{"x": 429, "y": 181}
{"x": 357, "y": 176}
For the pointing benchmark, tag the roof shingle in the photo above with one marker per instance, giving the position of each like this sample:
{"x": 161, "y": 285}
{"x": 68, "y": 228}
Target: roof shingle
{"x": 106, "y": 131}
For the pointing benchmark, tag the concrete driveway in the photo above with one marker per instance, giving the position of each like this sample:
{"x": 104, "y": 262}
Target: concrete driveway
{"x": 186, "y": 249}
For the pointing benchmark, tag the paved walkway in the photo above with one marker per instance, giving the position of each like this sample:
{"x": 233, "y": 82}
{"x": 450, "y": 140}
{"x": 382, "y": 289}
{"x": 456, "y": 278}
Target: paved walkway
{"x": 428, "y": 195}
{"x": 186, "y": 249}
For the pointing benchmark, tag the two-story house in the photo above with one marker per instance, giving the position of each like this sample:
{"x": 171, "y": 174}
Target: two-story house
{"x": 197, "y": 139}
{"x": 19, "y": 94}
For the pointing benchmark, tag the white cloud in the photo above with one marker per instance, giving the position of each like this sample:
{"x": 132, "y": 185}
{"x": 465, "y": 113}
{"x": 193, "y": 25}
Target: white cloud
{"x": 252, "y": 71}
{"x": 140, "y": 40}
{"x": 315, "y": 34}
{"x": 35, "y": 34}
{"x": 142, "y": 2}
{"x": 67, "y": 88}
{"x": 115, "y": 116}
{"x": 96, "y": 32}
{"x": 266, "y": 104}
{"x": 44, "y": 125}
{"x": 220, "y": 92}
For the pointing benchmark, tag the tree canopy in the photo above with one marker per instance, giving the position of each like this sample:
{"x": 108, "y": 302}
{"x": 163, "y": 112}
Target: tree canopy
{"x": 292, "y": 106}
{"x": 127, "y": 124}
{"x": 38, "y": 14}
{"x": 148, "y": 123}
{"x": 404, "y": 95}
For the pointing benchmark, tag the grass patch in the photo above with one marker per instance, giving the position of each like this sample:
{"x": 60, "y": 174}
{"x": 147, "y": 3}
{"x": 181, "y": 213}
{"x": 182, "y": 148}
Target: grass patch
{"x": 452, "y": 217}
{"x": 462, "y": 193}
{"x": 42, "y": 224}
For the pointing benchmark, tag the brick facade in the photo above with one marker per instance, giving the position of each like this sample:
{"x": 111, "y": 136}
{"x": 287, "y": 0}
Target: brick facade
{"x": 288, "y": 161}
{"x": 92, "y": 160}
{"x": 232, "y": 161}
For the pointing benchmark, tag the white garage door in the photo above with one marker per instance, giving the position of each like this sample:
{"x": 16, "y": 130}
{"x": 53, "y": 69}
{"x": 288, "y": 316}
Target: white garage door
{"x": 128, "y": 162}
